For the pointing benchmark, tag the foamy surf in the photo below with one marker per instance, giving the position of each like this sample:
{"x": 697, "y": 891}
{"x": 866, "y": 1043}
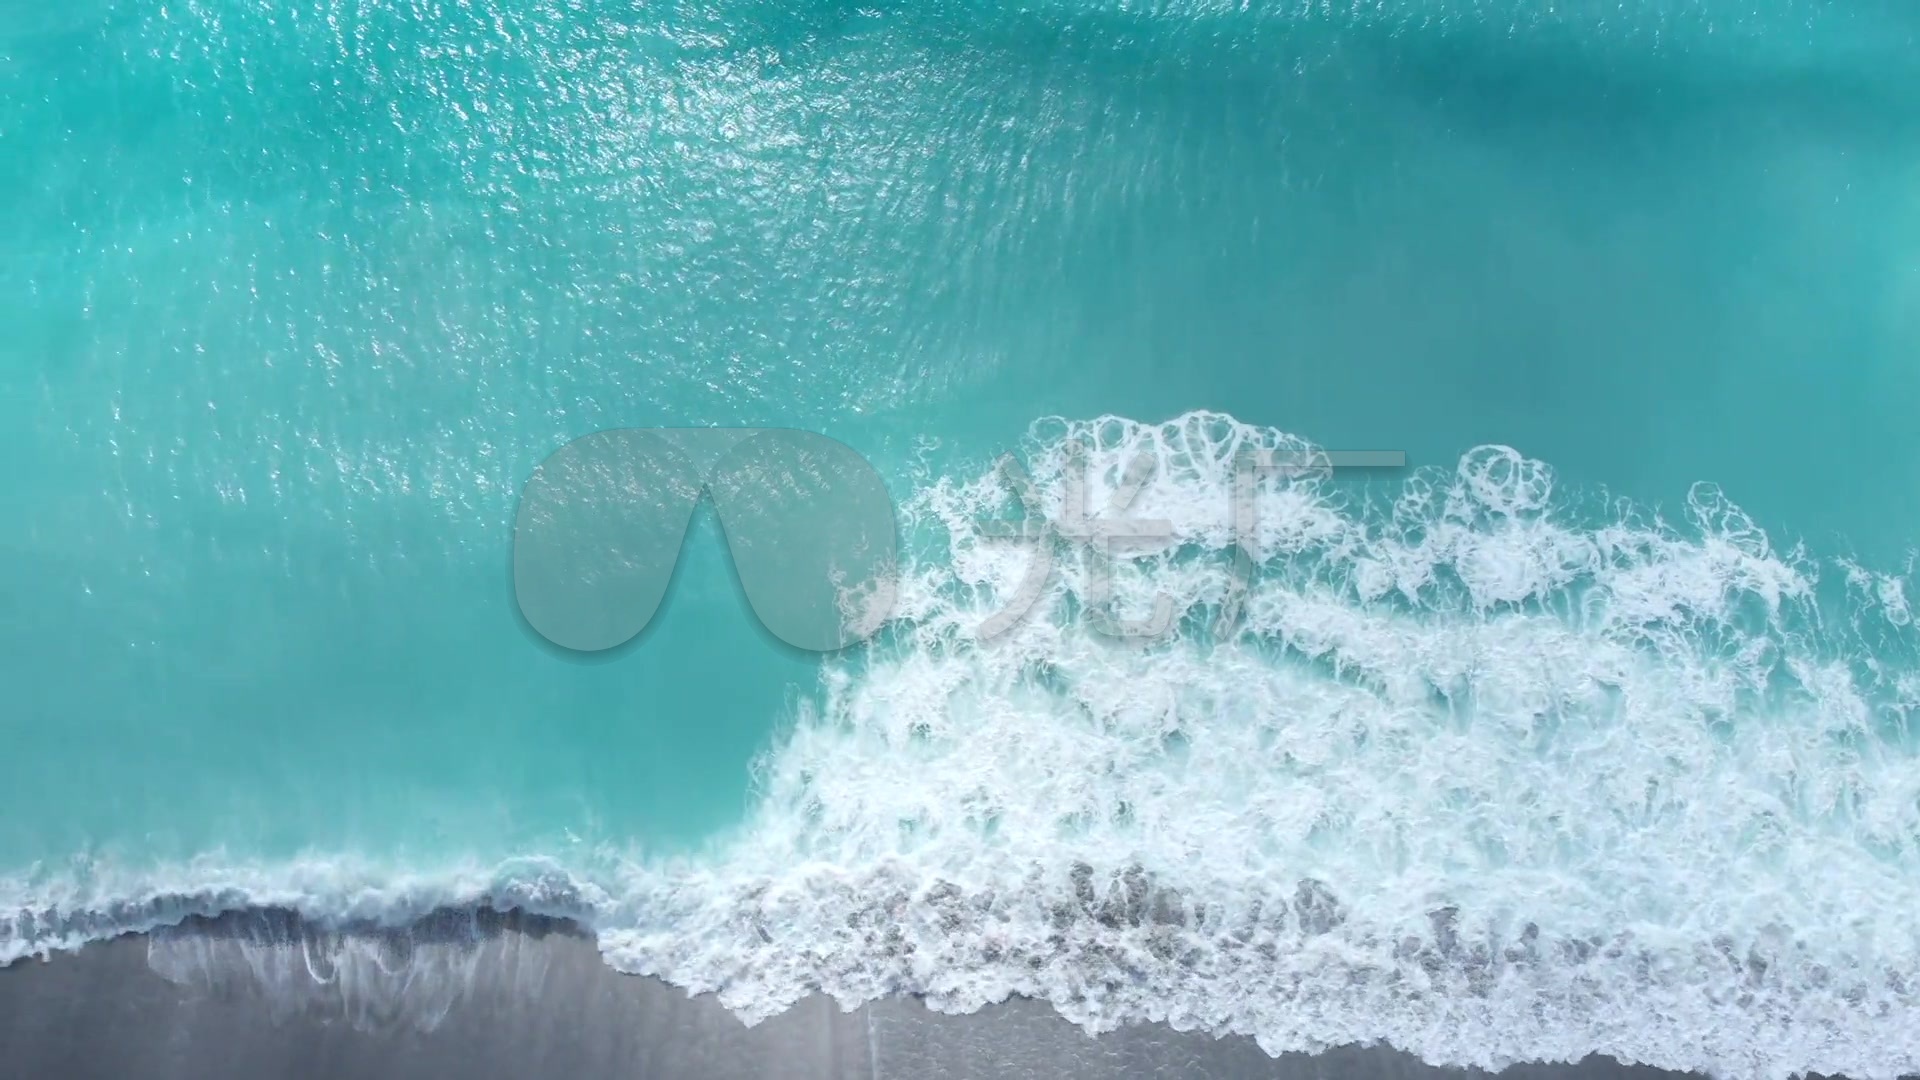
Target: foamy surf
{"x": 1486, "y": 771}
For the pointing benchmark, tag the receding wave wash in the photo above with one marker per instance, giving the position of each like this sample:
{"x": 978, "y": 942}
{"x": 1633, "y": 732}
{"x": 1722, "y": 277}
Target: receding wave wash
{"x": 1588, "y": 731}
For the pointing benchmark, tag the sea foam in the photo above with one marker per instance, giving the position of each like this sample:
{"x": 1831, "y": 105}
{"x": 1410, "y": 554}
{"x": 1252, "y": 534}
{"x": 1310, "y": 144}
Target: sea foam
{"x": 1485, "y": 770}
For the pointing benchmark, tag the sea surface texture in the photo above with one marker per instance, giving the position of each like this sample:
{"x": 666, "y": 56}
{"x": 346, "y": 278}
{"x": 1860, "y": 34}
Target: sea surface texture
{"x": 1589, "y": 731}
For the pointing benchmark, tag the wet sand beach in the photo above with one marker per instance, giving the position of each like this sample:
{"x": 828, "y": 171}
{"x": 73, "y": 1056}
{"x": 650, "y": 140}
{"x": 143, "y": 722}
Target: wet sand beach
{"x": 264, "y": 994}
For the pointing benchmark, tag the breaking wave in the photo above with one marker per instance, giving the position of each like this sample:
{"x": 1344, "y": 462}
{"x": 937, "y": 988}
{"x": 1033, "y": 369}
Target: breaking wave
{"x": 1486, "y": 770}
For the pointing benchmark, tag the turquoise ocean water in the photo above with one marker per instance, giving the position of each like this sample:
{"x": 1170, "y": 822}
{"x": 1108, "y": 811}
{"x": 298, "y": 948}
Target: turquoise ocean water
{"x": 1588, "y": 733}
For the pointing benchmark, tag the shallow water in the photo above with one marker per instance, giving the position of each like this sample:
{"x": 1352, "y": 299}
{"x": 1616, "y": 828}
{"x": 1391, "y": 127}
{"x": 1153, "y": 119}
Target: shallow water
{"x": 298, "y": 296}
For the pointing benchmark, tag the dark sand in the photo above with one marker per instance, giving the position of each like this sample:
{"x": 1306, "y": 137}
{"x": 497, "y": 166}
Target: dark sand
{"x": 479, "y": 997}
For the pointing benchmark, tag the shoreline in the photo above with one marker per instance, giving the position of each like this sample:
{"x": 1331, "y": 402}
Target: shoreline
{"x": 484, "y": 993}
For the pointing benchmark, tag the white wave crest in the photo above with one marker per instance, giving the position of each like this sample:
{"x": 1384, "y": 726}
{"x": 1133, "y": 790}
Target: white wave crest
{"x": 1474, "y": 776}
